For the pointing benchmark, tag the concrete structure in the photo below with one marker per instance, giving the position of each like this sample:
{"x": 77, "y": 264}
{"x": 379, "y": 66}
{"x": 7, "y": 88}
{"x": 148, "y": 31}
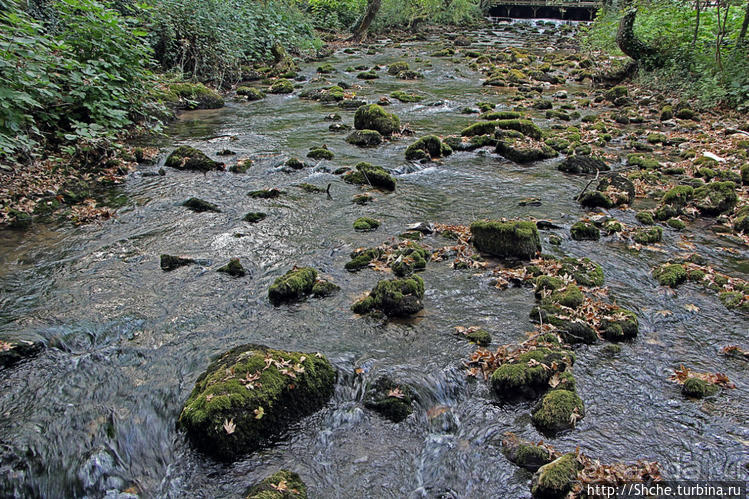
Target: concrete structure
{"x": 572, "y": 10}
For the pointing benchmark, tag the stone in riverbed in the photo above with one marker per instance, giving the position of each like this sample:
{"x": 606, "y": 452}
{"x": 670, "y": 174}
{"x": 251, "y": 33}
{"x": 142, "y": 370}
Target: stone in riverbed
{"x": 390, "y": 399}
{"x": 169, "y": 262}
{"x": 529, "y": 375}
{"x": 585, "y": 231}
{"x": 251, "y": 394}
{"x": 583, "y": 164}
{"x": 254, "y": 217}
{"x": 555, "y": 479}
{"x": 524, "y": 453}
{"x": 190, "y": 158}
{"x": 393, "y": 297}
{"x": 558, "y": 410}
{"x": 365, "y": 224}
{"x": 233, "y": 268}
{"x": 427, "y": 148}
{"x": 373, "y": 117}
{"x": 282, "y": 86}
{"x": 521, "y": 152}
{"x": 283, "y": 484}
{"x": 292, "y": 286}
{"x": 715, "y": 198}
{"x": 367, "y": 174}
{"x": 506, "y": 239}
{"x": 320, "y": 153}
{"x": 365, "y": 138}
{"x": 199, "y": 205}
{"x": 671, "y": 274}
{"x": 15, "y": 350}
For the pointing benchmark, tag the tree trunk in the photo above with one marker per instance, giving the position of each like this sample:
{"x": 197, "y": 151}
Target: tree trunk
{"x": 697, "y": 25}
{"x": 632, "y": 46}
{"x": 744, "y": 27}
{"x": 361, "y": 27}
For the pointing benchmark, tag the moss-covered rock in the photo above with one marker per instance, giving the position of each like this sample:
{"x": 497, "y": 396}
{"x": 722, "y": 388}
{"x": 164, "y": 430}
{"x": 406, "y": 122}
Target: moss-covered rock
{"x": 251, "y": 93}
{"x": 169, "y": 262}
{"x": 525, "y": 454}
{"x": 320, "y": 153}
{"x": 716, "y": 198}
{"x": 585, "y": 231}
{"x": 254, "y": 217}
{"x": 199, "y": 206}
{"x": 368, "y": 75}
{"x": 405, "y": 97}
{"x": 501, "y": 115}
{"x": 252, "y": 393}
{"x": 645, "y": 217}
{"x": 745, "y": 174}
{"x": 196, "y": 96}
{"x": 620, "y": 326}
{"x": 323, "y": 288}
{"x": 506, "y": 239}
{"x": 234, "y": 268}
{"x": 373, "y": 117}
{"x": 480, "y": 128}
{"x": 265, "y": 193}
{"x": 365, "y": 224}
{"x": 555, "y": 480}
{"x": 427, "y": 148}
{"x": 362, "y": 258}
{"x": 676, "y": 224}
{"x": 280, "y": 485}
{"x": 529, "y": 375}
{"x": 282, "y": 86}
{"x": 189, "y": 158}
{"x": 679, "y": 196}
{"x": 367, "y": 174}
{"x": 393, "y": 297}
{"x": 392, "y": 400}
{"x": 397, "y": 67}
{"x": 583, "y": 164}
{"x": 481, "y": 337}
{"x": 584, "y": 271}
{"x": 649, "y": 235}
{"x": 698, "y": 388}
{"x": 570, "y": 296}
{"x": 521, "y": 152}
{"x": 326, "y": 69}
{"x": 734, "y": 300}
{"x": 293, "y": 285}
{"x": 558, "y": 410}
{"x": 365, "y": 138}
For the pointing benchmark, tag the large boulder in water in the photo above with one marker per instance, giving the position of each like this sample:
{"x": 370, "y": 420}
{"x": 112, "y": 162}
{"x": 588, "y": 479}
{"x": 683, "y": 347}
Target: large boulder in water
{"x": 427, "y": 148}
{"x": 373, "y": 117}
{"x": 393, "y": 297}
{"x": 390, "y": 399}
{"x": 506, "y": 239}
{"x": 614, "y": 190}
{"x": 252, "y": 393}
{"x": 583, "y": 164}
{"x": 556, "y": 478}
{"x": 367, "y": 174}
{"x": 189, "y": 158}
{"x": 292, "y": 286}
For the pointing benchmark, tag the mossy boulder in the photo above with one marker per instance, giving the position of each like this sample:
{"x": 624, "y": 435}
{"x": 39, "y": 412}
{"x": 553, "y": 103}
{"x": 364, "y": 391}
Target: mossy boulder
{"x": 320, "y": 153}
{"x": 323, "y": 288}
{"x": 428, "y": 147}
{"x": 293, "y": 285}
{"x": 234, "y": 268}
{"x": 525, "y": 454}
{"x": 584, "y": 271}
{"x": 556, "y": 479}
{"x": 362, "y": 258}
{"x": 365, "y": 224}
{"x": 265, "y": 193}
{"x": 251, "y": 93}
{"x": 670, "y": 274}
{"x": 480, "y": 128}
{"x": 506, "y": 239}
{"x": 526, "y": 127}
{"x": 282, "y": 86}
{"x": 481, "y": 337}
{"x": 252, "y": 393}
{"x": 648, "y": 235}
{"x": 391, "y": 400}
{"x": 585, "y": 231}
{"x": 501, "y": 115}
{"x": 365, "y": 138}
{"x": 570, "y": 296}
{"x": 199, "y": 205}
{"x": 620, "y": 326}
{"x": 645, "y": 217}
{"x": 745, "y": 174}
{"x": 170, "y": 262}
{"x": 698, "y": 388}
{"x": 393, "y": 297}
{"x": 196, "y": 96}
{"x": 558, "y": 410}
{"x": 190, "y": 158}
{"x": 368, "y": 75}
{"x": 397, "y": 67}
{"x": 734, "y": 300}
{"x": 367, "y": 174}
{"x": 326, "y": 69}
{"x": 280, "y": 485}
{"x": 678, "y": 196}
{"x": 583, "y": 164}
{"x": 741, "y": 220}
{"x": 529, "y": 375}
{"x": 254, "y": 217}
{"x": 521, "y": 152}
{"x": 716, "y": 198}
{"x": 373, "y": 117}
{"x": 405, "y": 97}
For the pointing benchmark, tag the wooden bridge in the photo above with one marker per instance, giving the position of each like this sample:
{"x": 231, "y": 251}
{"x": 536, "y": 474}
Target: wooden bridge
{"x": 574, "y": 10}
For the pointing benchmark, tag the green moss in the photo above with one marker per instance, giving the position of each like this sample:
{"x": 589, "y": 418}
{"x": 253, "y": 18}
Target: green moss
{"x": 584, "y": 271}
{"x": 657, "y": 138}
{"x": 585, "y": 231}
{"x": 645, "y": 217}
{"x": 368, "y": 75}
{"x": 254, "y": 217}
{"x": 621, "y": 325}
{"x": 294, "y": 163}
{"x": 648, "y": 236}
{"x": 593, "y": 199}
{"x": 221, "y": 398}
{"x": 547, "y": 282}
{"x": 366, "y": 224}
{"x": 501, "y": 115}
{"x": 320, "y": 153}
{"x": 480, "y": 128}
{"x": 390, "y": 399}
{"x": 671, "y": 274}
{"x": 293, "y": 285}
{"x": 393, "y": 297}
{"x": 520, "y": 153}
{"x": 233, "y": 268}
{"x": 293, "y": 487}
{"x": 326, "y": 69}
{"x": 667, "y": 113}
{"x": 265, "y": 193}
{"x": 365, "y": 138}
{"x": 373, "y": 117}
{"x": 526, "y": 127}
{"x": 556, "y": 478}
{"x": 645, "y": 162}
{"x": 397, "y": 67}
{"x": 745, "y": 174}
{"x": 480, "y": 336}
{"x": 676, "y": 224}
{"x": 199, "y": 205}
{"x": 323, "y": 289}
{"x": 555, "y": 411}
{"x": 169, "y": 262}
{"x": 715, "y": 198}
{"x": 251, "y": 93}
{"x": 570, "y": 297}
{"x": 686, "y": 114}
{"x": 189, "y": 158}
{"x": 679, "y": 196}
{"x": 526, "y": 454}
{"x": 615, "y": 93}
{"x": 19, "y": 219}
{"x": 485, "y": 106}
{"x": 427, "y": 148}
{"x": 731, "y": 299}
{"x": 404, "y": 97}
{"x": 367, "y": 174}
{"x": 506, "y": 239}
{"x": 311, "y": 188}
{"x": 362, "y": 258}
{"x": 282, "y": 86}
{"x": 698, "y": 388}
{"x": 612, "y": 226}
{"x": 196, "y": 96}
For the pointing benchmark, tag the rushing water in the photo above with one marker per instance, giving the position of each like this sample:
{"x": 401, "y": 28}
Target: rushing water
{"x": 127, "y": 341}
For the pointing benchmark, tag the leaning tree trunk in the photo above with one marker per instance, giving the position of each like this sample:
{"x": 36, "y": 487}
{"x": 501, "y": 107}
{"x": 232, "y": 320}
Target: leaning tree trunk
{"x": 744, "y": 26}
{"x": 632, "y": 46}
{"x": 361, "y": 27}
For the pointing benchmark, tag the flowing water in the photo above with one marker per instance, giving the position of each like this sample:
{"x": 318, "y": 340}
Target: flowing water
{"x": 96, "y": 410}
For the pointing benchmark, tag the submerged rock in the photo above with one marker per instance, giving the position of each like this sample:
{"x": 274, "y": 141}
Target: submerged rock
{"x": 320, "y": 153}
{"x": 254, "y": 217}
{"x": 506, "y": 239}
{"x": 252, "y": 393}
{"x": 282, "y": 86}
{"x": 390, "y": 399}
{"x": 427, "y": 148}
{"x": 648, "y": 235}
{"x": 265, "y": 193}
{"x": 292, "y": 286}
{"x": 373, "y": 117}
{"x": 670, "y": 274}
{"x": 199, "y": 206}
{"x": 393, "y": 297}
{"x": 189, "y": 158}
{"x": 251, "y": 93}
{"x": 233, "y": 268}
{"x": 169, "y": 262}
{"x": 522, "y": 152}
{"x": 614, "y": 190}
{"x": 362, "y": 258}
{"x": 367, "y": 174}
{"x": 283, "y": 484}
